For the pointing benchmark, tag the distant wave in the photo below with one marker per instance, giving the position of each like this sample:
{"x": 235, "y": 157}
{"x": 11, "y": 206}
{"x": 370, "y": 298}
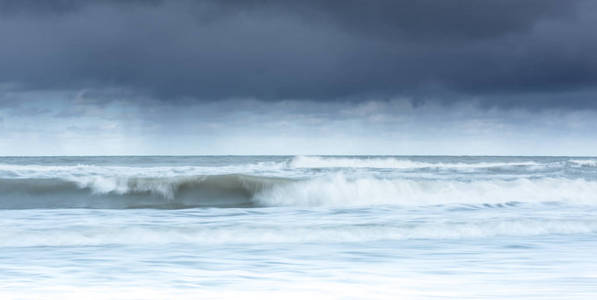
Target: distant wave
{"x": 297, "y": 165}
{"x": 246, "y": 191}
{"x": 394, "y": 163}
{"x": 82, "y": 170}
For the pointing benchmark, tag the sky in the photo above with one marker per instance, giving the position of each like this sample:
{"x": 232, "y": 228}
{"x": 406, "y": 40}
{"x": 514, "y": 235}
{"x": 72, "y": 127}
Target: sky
{"x": 395, "y": 77}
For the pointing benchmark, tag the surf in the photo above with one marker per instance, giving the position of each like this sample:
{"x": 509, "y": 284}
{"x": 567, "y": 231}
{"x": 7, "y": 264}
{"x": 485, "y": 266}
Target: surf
{"x": 337, "y": 189}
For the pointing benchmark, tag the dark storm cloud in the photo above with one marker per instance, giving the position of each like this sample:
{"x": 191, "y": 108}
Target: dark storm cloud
{"x": 506, "y": 52}
{"x": 9, "y": 7}
{"x": 424, "y": 19}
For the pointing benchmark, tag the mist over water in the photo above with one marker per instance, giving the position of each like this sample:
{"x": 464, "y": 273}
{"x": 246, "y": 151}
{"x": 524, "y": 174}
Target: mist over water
{"x": 217, "y": 226}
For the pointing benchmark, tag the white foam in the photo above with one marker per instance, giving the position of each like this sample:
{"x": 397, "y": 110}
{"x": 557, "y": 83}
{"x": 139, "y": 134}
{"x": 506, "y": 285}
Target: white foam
{"x": 338, "y": 190}
{"x": 584, "y": 162}
{"x": 166, "y": 187}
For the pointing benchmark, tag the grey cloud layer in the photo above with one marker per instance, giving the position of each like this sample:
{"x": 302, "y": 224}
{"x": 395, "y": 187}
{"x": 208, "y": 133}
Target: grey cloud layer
{"x": 83, "y": 126}
{"x": 506, "y": 52}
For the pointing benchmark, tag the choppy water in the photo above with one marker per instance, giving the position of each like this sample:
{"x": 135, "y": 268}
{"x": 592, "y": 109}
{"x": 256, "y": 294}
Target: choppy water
{"x": 323, "y": 227}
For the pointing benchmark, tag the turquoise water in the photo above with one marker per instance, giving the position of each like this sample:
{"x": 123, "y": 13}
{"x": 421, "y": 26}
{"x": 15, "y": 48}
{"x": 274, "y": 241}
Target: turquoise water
{"x": 296, "y": 227}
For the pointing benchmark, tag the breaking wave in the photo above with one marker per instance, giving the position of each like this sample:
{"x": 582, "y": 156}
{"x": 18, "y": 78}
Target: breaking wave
{"x": 332, "y": 190}
{"x": 340, "y": 191}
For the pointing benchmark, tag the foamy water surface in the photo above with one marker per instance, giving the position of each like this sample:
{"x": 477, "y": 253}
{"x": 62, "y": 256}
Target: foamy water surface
{"x": 296, "y": 227}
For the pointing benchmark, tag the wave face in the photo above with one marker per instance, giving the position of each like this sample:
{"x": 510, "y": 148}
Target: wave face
{"x": 119, "y": 193}
{"x": 296, "y": 181}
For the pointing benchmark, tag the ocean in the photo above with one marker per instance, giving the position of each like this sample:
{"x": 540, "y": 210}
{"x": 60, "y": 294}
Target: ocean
{"x": 324, "y": 227}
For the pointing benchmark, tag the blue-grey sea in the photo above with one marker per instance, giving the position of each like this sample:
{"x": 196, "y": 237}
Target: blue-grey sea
{"x": 320, "y": 227}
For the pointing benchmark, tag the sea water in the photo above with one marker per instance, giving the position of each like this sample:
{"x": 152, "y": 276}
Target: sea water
{"x": 346, "y": 227}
